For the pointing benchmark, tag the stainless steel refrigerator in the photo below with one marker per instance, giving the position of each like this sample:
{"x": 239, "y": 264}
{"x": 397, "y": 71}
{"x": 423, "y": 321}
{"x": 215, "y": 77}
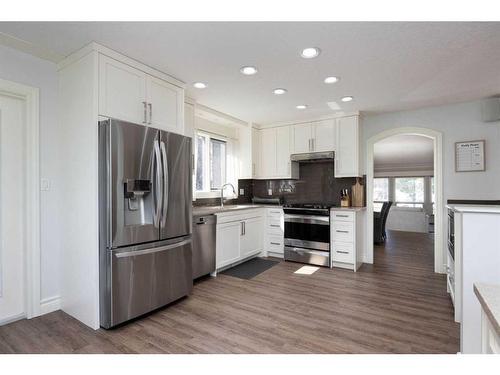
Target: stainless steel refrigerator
{"x": 145, "y": 219}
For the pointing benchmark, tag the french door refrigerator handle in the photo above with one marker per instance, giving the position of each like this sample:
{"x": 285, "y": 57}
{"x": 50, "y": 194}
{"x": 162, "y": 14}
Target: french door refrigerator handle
{"x": 145, "y": 121}
{"x": 166, "y": 181}
{"x": 157, "y": 161}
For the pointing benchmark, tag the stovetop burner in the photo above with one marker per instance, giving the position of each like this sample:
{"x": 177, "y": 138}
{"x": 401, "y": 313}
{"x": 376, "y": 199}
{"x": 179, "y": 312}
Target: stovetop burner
{"x": 316, "y": 206}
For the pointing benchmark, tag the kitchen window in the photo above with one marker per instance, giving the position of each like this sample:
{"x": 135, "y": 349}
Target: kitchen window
{"x": 410, "y": 192}
{"x": 212, "y": 155}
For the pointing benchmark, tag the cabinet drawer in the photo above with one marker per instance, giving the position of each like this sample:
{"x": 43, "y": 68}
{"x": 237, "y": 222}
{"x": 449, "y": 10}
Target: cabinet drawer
{"x": 343, "y": 252}
{"x": 343, "y": 216}
{"x": 274, "y": 212}
{"x": 275, "y": 244}
{"x": 343, "y": 231}
{"x": 274, "y": 224}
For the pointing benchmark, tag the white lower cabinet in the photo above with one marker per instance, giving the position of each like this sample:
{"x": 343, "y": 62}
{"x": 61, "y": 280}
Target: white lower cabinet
{"x": 274, "y": 232}
{"x": 239, "y": 235}
{"x": 490, "y": 340}
{"x": 251, "y": 237}
{"x": 347, "y": 238}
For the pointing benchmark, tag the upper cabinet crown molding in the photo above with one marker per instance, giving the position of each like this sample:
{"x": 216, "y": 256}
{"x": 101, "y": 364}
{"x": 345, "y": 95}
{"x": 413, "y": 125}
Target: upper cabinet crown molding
{"x": 309, "y": 120}
{"x": 93, "y": 46}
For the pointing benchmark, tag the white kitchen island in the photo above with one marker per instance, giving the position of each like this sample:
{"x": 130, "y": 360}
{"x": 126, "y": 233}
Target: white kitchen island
{"x": 477, "y": 260}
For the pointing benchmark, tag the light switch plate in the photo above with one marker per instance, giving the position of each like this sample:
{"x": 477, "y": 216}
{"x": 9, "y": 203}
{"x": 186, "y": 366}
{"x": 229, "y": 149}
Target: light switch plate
{"x": 44, "y": 184}
{"x": 242, "y": 191}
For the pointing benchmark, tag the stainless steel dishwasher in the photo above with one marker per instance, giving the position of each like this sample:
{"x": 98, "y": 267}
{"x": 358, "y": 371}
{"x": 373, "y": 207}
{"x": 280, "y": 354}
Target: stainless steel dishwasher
{"x": 203, "y": 245}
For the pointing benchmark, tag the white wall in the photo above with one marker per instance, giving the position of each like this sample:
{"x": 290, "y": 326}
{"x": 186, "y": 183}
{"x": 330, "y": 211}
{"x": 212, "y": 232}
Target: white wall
{"x": 458, "y": 122}
{"x": 26, "y": 69}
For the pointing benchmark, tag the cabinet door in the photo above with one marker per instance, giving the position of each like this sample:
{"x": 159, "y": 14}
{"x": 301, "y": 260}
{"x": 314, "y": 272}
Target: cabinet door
{"x": 256, "y": 153}
{"x": 324, "y": 136}
{"x": 122, "y": 91}
{"x": 252, "y": 236}
{"x": 268, "y": 153}
{"x": 165, "y": 105}
{"x": 283, "y": 151}
{"x": 347, "y": 150}
{"x": 228, "y": 243}
{"x": 245, "y": 151}
{"x": 302, "y": 136}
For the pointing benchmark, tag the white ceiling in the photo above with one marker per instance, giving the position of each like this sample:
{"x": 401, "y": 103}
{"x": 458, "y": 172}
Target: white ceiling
{"x": 403, "y": 152}
{"x": 385, "y": 66}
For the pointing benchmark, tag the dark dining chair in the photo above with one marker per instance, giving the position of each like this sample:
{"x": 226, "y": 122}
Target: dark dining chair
{"x": 379, "y": 221}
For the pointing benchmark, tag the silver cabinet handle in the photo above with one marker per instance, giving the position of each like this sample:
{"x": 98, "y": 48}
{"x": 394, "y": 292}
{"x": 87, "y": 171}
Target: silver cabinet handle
{"x": 145, "y": 121}
{"x": 275, "y": 225}
{"x": 342, "y": 231}
{"x": 241, "y": 228}
{"x": 244, "y": 228}
{"x": 337, "y": 215}
{"x": 275, "y": 243}
{"x": 312, "y": 143}
{"x": 166, "y": 180}
{"x": 150, "y": 113}
{"x": 342, "y": 252}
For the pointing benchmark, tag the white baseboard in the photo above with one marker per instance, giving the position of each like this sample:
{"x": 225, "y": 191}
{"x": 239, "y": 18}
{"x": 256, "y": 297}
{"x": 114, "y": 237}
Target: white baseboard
{"x": 50, "y": 304}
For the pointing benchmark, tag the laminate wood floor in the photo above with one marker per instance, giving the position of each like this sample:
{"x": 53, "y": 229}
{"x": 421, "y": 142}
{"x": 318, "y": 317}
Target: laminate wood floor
{"x": 397, "y": 305}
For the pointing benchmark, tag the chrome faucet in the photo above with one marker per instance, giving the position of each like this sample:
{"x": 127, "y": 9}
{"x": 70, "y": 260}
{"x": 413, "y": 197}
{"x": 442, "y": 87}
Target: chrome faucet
{"x": 222, "y": 193}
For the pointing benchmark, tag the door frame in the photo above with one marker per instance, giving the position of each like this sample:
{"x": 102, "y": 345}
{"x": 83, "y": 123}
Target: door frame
{"x": 437, "y": 137}
{"x": 30, "y": 95}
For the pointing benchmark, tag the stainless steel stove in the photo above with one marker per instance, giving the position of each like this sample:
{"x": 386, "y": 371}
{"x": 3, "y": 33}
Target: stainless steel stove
{"x": 307, "y": 233}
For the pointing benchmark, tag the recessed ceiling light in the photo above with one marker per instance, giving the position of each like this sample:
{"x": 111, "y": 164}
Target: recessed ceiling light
{"x": 301, "y": 106}
{"x": 331, "y": 79}
{"x": 248, "y": 70}
{"x": 310, "y": 52}
{"x": 279, "y": 91}
{"x": 199, "y": 85}
{"x": 347, "y": 98}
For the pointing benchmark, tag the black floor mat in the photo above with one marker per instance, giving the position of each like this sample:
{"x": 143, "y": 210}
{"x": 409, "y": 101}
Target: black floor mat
{"x": 251, "y": 268}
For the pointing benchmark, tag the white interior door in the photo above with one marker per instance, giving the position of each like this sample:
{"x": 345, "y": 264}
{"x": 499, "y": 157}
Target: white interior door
{"x": 12, "y": 208}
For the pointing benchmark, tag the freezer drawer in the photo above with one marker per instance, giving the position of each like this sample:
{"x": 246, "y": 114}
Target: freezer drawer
{"x": 143, "y": 280}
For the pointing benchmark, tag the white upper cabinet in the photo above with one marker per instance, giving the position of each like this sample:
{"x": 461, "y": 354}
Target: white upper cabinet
{"x": 255, "y": 153}
{"x": 165, "y": 105}
{"x": 268, "y": 153}
{"x": 347, "y": 158}
{"x": 129, "y": 94}
{"x": 245, "y": 152}
{"x": 314, "y": 137}
{"x": 122, "y": 91}
{"x": 283, "y": 164}
{"x": 275, "y": 154}
{"x": 324, "y": 136}
{"x": 302, "y": 136}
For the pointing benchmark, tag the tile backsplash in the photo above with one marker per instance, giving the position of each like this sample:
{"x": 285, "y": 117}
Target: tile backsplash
{"x": 317, "y": 183}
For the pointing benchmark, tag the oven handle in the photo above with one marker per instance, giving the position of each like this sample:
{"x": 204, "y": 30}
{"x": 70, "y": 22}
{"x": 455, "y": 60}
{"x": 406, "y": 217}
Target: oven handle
{"x": 307, "y": 219}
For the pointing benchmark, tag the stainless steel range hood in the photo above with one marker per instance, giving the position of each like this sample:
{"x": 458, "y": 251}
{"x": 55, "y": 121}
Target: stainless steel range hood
{"x": 313, "y": 157}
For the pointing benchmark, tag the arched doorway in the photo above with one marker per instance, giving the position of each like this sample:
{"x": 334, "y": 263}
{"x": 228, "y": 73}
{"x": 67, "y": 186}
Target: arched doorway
{"x": 439, "y": 261}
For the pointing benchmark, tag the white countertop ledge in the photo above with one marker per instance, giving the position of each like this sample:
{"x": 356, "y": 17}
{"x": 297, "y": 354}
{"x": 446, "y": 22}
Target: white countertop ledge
{"x": 470, "y": 208}
{"x": 489, "y": 298}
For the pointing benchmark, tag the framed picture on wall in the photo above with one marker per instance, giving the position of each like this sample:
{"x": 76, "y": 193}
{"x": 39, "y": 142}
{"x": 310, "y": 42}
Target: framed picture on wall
{"x": 469, "y": 156}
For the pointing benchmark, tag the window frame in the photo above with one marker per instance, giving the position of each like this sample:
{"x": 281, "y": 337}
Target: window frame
{"x": 207, "y": 191}
{"x": 419, "y": 205}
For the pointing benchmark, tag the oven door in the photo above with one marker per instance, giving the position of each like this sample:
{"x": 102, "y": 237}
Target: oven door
{"x": 307, "y": 231}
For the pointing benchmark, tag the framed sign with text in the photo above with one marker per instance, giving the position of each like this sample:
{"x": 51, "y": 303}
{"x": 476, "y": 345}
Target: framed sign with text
{"x": 469, "y": 156}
